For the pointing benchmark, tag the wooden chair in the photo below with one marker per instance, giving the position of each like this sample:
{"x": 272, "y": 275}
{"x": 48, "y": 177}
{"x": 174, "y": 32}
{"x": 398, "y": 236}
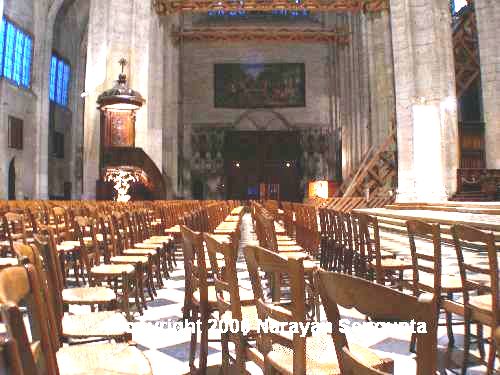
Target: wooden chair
{"x": 233, "y": 303}
{"x": 198, "y": 302}
{"x": 482, "y": 308}
{"x": 427, "y": 269}
{"x": 43, "y": 355}
{"x": 352, "y": 292}
{"x": 123, "y": 276}
{"x": 141, "y": 263}
{"x": 384, "y": 267}
{"x": 103, "y": 324}
{"x": 15, "y": 228}
{"x": 286, "y": 353}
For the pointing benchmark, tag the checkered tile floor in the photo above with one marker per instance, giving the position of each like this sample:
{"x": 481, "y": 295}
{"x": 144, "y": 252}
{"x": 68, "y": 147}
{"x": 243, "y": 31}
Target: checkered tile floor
{"x": 168, "y": 349}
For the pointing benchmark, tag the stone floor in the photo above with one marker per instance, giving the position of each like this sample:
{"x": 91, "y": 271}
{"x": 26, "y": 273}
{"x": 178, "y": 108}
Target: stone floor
{"x": 168, "y": 348}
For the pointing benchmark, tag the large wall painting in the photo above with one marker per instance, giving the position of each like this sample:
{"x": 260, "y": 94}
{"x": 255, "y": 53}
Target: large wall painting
{"x": 260, "y": 85}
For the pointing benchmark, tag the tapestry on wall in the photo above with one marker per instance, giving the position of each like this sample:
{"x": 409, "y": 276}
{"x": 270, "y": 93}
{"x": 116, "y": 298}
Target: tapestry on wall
{"x": 259, "y": 85}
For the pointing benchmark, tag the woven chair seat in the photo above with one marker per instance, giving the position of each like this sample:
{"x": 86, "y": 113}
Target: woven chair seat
{"x": 7, "y": 262}
{"x": 149, "y": 246}
{"x": 449, "y": 283}
{"x": 65, "y": 248}
{"x": 96, "y": 324}
{"x": 316, "y": 361}
{"x": 159, "y": 238}
{"x": 126, "y": 259}
{"x": 394, "y": 264}
{"x": 223, "y": 238}
{"x": 100, "y": 359}
{"x": 245, "y": 295}
{"x": 96, "y": 294}
{"x": 248, "y": 314}
{"x": 113, "y": 269}
{"x": 144, "y": 252}
{"x": 70, "y": 243}
{"x": 174, "y": 229}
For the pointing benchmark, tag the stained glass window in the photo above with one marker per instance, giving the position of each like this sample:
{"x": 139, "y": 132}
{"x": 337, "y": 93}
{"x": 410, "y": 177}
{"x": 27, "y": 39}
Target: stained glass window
{"x": 2, "y": 44}
{"x": 52, "y": 78}
{"x": 27, "y": 59}
{"x": 9, "y": 51}
{"x": 66, "y": 74}
{"x": 59, "y": 86}
{"x": 16, "y": 51}
{"x": 60, "y": 74}
{"x": 18, "y": 57}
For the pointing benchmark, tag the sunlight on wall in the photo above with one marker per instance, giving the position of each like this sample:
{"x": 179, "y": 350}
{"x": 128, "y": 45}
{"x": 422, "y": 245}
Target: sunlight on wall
{"x": 427, "y": 153}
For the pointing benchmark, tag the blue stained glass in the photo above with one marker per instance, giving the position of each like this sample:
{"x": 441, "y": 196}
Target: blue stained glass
{"x": 9, "y": 51}
{"x": 66, "y": 75}
{"x": 52, "y": 79}
{"x": 18, "y": 56}
{"x": 27, "y": 58}
{"x": 59, "y": 86}
{"x": 2, "y": 44}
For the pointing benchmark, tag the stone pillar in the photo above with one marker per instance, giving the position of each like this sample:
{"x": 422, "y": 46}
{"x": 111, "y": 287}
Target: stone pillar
{"x": 488, "y": 23}
{"x": 123, "y": 29}
{"x": 426, "y": 102}
{"x": 44, "y": 28}
{"x": 171, "y": 108}
{"x": 95, "y": 82}
{"x": 379, "y": 51}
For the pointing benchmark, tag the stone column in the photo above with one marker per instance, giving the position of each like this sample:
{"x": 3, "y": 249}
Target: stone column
{"x": 44, "y": 28}
{"x": 95, "y": 82}
{"x": 425, "y": 100}
{"x": 379, "y": 51}
{"x": 488, "y": 23}
{"x": 171, "y": 108}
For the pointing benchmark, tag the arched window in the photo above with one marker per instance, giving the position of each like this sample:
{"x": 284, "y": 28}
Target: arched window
{"x": 60, "y": 73}
{"x": 16, "y": 49}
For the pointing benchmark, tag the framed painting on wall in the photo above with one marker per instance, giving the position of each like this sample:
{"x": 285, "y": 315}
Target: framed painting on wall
{"x": 259, "y": 85}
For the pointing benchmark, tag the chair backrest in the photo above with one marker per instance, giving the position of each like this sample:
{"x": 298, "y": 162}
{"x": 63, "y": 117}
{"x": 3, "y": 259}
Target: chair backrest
{"x": 196, "y": 274}
{"x": 61, "y": 222}
{"x": 470, "y": 271}
{"x": 18, "y": 285}
{"x": 14, "y": 227}
{"x": 369, "y": 245}
{"x": 10, "y": 358}
{"x": 89, "y": 251}
{"x": 352, "y": 292}
{"x": 225, "y": 275}
{"x": 31, "y": 254}
{"x": 261, "y": 260}
{"x": 426, "y": 261}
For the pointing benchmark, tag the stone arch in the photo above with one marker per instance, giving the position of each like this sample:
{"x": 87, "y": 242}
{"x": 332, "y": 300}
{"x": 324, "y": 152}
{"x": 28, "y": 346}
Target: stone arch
{"x": 262, "y": 119}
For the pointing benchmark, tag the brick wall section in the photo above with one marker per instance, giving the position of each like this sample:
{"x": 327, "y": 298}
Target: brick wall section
{"x": 488, "y": 20}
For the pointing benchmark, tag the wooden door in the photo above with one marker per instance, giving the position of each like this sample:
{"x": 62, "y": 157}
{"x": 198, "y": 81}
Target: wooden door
{"x": 268, "y": 157}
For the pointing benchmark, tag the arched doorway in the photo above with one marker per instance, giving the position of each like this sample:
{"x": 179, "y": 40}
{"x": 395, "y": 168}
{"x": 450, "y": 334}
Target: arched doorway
{"x": 12, "y": 180}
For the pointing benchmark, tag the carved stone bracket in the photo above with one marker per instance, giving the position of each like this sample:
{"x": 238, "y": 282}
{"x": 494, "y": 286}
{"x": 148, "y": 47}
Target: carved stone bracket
{"x": 166, "y": 7}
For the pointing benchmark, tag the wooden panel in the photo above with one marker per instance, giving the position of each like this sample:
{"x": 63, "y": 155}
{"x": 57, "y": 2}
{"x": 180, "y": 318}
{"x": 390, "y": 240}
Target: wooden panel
{"x": 119, "y": 129}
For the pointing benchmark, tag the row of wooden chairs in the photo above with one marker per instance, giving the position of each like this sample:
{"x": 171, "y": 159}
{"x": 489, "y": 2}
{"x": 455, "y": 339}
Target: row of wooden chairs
{"x": 351, "y": 243}
{"x": 219, "y": 294}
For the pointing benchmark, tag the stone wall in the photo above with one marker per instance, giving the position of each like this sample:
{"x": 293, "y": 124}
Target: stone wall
{"x": 19, "y": 103}
{"x": 488, "y": 23}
